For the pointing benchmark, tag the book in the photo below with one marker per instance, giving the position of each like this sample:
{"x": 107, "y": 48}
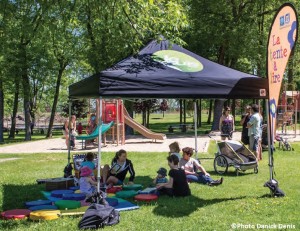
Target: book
{"x": 115, "y": 168}
{"x": 148, "y": 190}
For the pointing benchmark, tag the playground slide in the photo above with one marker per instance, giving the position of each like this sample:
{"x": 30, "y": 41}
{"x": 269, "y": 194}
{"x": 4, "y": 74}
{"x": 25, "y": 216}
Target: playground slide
{"x": 141, "y": 129}
{"x": 95, "y": 133}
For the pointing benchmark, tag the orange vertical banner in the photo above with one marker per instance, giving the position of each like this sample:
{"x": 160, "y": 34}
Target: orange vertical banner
{"x": 282, "y": 39}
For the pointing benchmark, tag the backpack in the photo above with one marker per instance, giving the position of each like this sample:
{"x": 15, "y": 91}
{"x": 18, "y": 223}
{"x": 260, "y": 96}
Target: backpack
{"x": 273, "y": 186}
{"x": 98, "y": 216}
{"x": 68, "y": 170}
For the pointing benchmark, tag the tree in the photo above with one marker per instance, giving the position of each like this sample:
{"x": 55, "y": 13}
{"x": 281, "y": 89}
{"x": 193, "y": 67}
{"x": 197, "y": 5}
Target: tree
{"x": 78, "y": 108}
{"x": 164, "y": 106}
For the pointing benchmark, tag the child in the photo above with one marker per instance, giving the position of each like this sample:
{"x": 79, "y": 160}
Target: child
{"x": 89, "y": 162}
{"x": 79, "y": 129}
{"x": 161, "y": 176}
{"x": 177, "y": 185}
{"x": 86, "y": 183}
{"x": 174, "y": 149}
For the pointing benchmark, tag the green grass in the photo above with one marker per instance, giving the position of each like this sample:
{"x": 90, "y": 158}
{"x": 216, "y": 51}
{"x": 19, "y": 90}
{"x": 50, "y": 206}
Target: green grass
{"x": 21, "y": 136}
{"x": 241, "y": 199}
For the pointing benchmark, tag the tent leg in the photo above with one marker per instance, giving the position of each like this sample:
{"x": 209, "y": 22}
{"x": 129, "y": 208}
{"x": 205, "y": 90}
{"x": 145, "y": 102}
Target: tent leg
{"x": 99, "y": 145}
{"x": 195, "y": 128}
{"x": 270, "y": 140}
{"x": 69, "y": 142}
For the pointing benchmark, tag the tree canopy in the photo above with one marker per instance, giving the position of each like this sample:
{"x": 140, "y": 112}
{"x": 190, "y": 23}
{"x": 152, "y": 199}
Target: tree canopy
{"x": 47, "y": 45}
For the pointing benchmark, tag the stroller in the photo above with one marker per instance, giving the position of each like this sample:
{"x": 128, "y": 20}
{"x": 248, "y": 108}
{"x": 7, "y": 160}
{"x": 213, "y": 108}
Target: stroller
{"x": 234, "y": 153}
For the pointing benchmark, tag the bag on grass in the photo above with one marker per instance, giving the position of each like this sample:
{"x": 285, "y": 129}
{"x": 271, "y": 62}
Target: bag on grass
{"x": 273, "y": 186}
{"x": 68, "y": 170}
{"x": 98, "y": 216}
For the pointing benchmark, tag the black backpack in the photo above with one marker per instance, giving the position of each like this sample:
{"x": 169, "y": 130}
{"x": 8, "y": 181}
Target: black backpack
{"x": 98, "y": 216}
{"x": 275, "y": 190}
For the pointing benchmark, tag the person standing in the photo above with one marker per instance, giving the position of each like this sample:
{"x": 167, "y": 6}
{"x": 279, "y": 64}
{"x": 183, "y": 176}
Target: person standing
{"x": 72, "y": 128}
{"x": 245, "y": 119}
{"x": 226, "y": 124}
{"x": 254, "y": 131}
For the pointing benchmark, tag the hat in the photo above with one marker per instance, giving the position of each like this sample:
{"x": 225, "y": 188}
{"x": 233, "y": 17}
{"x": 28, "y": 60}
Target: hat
{"x": 162, "y": 171}
{"x": 85, "y": 171}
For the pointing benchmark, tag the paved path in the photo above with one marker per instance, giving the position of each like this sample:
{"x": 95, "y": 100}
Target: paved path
{"x": 134, "y": 143}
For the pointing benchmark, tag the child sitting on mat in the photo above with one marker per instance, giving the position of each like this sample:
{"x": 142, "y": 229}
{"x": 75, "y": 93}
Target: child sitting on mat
{"x": 161, "y": 176}
{"x": 86, "y": 183}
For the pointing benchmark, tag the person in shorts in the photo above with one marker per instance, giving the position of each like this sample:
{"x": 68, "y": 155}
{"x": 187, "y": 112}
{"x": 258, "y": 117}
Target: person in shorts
{"x": 254, "y": 130}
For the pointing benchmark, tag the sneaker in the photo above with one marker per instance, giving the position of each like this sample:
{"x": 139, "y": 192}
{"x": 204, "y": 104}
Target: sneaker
{"x": 216, "y": 182}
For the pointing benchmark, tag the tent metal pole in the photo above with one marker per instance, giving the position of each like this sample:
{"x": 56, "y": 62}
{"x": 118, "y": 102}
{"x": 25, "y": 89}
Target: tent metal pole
{"x": 270, "y": 139}
{"x": 69, "y": 131}
{"x": 195, "y": 127}
{"x": 99, "y": 144}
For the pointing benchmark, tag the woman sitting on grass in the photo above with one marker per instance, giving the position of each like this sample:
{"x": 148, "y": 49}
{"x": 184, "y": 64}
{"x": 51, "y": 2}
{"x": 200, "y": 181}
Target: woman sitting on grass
{"x": 120, "y": 165}
{"x": 189, "y": 164}
{"x": 177, "y": 185}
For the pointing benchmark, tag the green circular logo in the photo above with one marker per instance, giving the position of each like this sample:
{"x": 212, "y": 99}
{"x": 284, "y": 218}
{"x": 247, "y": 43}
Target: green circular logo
{"x": 177, "y": 60}
{"x": 273, "y": 108}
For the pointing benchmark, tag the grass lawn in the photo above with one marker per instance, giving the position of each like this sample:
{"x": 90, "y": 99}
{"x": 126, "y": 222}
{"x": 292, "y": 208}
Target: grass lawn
{"x": 241, "y": 200}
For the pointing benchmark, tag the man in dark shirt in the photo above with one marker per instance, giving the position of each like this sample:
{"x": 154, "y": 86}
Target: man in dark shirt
{"x": 177, "y": 185}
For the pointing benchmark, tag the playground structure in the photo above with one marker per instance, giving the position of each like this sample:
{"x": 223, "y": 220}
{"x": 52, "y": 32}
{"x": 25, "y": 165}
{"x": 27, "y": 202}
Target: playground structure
{"x": 287, "y": 111}
{"x": 114, "y": 118}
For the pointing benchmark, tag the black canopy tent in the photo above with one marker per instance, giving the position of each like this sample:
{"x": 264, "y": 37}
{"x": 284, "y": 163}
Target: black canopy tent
{"x": 148, "y": 75}
{"x": 165, "y": 70}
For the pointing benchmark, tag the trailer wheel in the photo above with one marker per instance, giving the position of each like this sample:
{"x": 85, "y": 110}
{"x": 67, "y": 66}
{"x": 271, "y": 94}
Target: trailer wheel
{"x": 220, "y": 164}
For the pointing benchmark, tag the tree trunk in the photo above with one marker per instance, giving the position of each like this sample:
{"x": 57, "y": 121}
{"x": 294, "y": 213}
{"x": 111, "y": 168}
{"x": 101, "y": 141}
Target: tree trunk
{"x": 26, "y": 92}
{"x": 129, "y": 107}
{"x": 184, "y": 111}
{"x": 148, "y": 117}
{"x": 180, "y": 111}
{"x": 1, "y": 111}
{"x": 210, "y": 111}
{"x": 15, "y": 110}
{"x": 218, "y": 107}
{"x": 56, "y": 95}
{"x": 199, "y": 110}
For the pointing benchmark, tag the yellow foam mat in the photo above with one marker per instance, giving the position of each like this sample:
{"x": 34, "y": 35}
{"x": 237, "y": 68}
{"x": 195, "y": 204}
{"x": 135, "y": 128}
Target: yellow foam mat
{"x": 71, "y": 212}
{"x": 45, "y": 215}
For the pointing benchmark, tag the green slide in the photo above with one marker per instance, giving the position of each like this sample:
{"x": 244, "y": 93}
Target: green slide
{"x": 95, "y": 133}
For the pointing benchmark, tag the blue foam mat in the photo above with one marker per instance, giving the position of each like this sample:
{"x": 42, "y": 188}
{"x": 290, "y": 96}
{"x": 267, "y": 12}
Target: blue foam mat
{"x": 123, "y": 205}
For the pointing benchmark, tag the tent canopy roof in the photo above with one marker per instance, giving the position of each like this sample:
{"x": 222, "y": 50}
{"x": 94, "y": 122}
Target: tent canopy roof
{"x": 165, "y": 70}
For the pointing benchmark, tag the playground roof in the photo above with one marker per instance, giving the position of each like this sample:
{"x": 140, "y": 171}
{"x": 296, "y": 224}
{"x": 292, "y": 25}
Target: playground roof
{"x": 165, "y": 70}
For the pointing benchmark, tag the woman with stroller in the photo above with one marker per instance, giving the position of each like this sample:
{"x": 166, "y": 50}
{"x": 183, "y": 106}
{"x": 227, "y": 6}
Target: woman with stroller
{"x": 226, "y": 124}
{"x": 191, "y": 165}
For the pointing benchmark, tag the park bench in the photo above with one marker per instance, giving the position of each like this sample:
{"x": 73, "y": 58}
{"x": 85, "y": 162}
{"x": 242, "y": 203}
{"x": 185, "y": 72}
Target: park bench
{"x": 182, "y": 127}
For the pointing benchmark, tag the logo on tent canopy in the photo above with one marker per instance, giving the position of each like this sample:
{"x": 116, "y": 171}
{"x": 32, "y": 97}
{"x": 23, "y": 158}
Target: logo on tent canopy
{"x": 177, "y": 60}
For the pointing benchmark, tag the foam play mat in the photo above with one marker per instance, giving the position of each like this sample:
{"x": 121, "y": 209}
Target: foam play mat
{"x": 44, "y": 215}
{"x": 43, "y": 207}
{"x": 146, "y": 197}
{"x": 73, "y": 212}
{"x": 60, "y": 193}
{"x": 37, "y": 202}
{"x": 126, "y": 194}
{"x": 132, "y": 187}
{"x": 48, "y": 196}
{"x": 67, "y": 204}
{"x": 74, "y": 196}
{"x": 15, "y": 214}
{"x": 114, "y": 189}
